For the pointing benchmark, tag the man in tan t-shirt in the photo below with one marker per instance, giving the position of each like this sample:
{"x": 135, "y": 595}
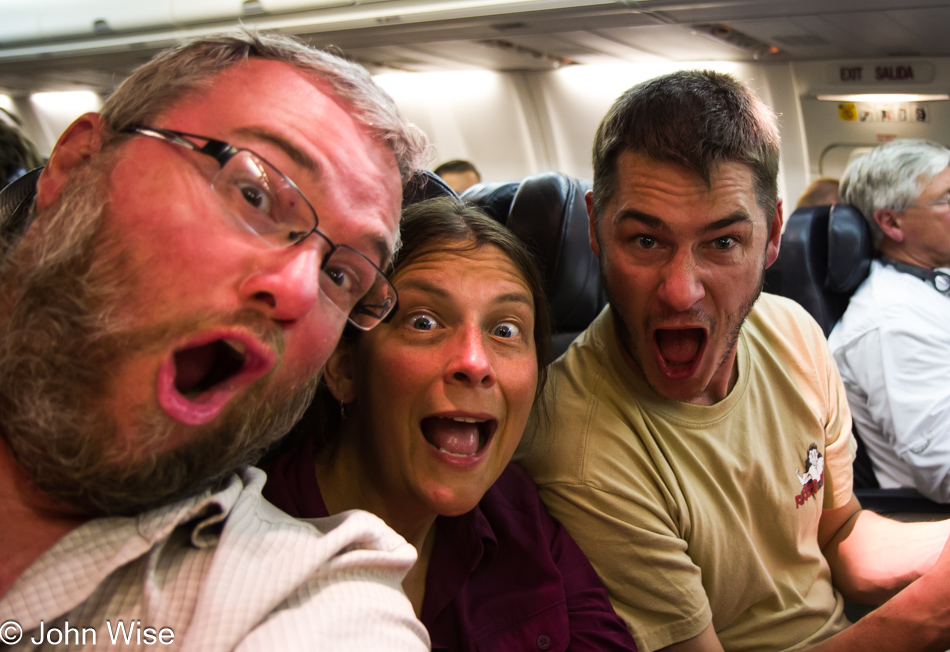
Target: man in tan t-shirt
{"x": 699, "y": 448}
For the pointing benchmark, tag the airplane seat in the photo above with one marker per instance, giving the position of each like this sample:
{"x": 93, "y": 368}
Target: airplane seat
{"x": 16, "y": 199}
{"x": 425, "y": 185}
{"x": 548, "y": 213}
{"x": 826, "y": 253}
{"x": 494, "y": 198}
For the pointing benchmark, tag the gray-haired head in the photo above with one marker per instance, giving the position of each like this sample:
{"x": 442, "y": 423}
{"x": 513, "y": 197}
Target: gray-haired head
{"x": 696, "y": 118}
{"x": 192, "y": 66}
{"x": 891, "y": 176}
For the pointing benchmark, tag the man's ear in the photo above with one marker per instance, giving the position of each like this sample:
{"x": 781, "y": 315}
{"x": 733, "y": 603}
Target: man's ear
{"x": 339, "y": 374}
{"x": 592, "y": 226}
{"x": 890, "y": 224}
{"x": 74, "y": 149}
{"x": 775, "y": 235}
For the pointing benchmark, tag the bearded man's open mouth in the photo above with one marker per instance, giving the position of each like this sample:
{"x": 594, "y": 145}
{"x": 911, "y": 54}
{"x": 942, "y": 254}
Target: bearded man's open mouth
{"x": 199, "y": 378}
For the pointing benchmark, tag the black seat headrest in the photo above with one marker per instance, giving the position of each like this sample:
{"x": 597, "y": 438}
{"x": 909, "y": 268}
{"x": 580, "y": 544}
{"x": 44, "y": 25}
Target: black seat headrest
{"x": 825, "y": 255}
{"x": 548, "y": 213}
{"x": 425, "y": 185}
{"x": 849, "y": 249}
{"x": 494, "y": 198}
{"x": 16, "y": 200}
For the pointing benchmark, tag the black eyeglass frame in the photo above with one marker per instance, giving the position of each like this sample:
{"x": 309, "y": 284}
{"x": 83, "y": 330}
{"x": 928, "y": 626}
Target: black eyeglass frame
{"x": 222, "y": 152}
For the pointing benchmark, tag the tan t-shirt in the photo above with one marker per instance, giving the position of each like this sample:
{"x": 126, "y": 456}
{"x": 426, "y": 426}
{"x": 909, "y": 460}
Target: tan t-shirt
{"x": 695, "y": 513}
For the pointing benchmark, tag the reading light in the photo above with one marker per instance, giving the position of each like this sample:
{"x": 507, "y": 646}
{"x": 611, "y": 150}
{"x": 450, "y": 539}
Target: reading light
{"x": 883, "y": 97}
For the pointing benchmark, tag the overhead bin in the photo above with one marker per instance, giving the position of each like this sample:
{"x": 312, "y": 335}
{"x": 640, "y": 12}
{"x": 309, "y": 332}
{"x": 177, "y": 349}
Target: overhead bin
{"x": 193, "y": 11}
{"x": 19, "y": 19}
{"x": 70, "y": 27}
{"x": 59, "y": 18}
{"x": 56, "y": 19}
{"x": 280, "y": 6}
{"x": 50, "y": 19}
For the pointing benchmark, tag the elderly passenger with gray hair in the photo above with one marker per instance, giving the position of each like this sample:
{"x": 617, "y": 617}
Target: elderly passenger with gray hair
{"x": 893, "y": 343}
{"x": 173, "y": 282}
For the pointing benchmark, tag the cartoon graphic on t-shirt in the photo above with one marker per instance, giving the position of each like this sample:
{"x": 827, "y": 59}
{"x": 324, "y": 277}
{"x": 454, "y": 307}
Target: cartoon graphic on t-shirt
{"x": 814, "y": 476}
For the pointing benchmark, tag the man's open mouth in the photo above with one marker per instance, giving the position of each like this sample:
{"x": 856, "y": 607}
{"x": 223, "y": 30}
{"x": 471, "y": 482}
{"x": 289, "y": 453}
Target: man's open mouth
{"x": 199, "y": 368}
{"x": 680, "y": 347}
{"x": 458, "y": 436}
{"x": 198, "y": 379}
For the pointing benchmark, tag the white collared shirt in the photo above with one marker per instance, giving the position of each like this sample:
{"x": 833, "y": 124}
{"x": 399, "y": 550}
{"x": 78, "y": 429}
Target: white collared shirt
{"x": 892, "y": 347}
{"x": 220, "y": 571}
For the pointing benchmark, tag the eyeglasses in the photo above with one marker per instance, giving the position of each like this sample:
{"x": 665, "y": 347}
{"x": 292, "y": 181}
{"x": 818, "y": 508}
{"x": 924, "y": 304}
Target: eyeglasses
{"x": 264, "y": 200}
{"x": 945, "y": 201}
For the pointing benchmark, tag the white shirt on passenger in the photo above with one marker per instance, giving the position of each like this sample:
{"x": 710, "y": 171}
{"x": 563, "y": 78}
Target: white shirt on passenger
{"x": 892, "y": 347}
{"x": 220, "y": 571}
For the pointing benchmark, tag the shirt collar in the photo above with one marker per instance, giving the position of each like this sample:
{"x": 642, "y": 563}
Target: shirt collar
{"x": 462, "y": 544}
{"x": 83, "y": 559}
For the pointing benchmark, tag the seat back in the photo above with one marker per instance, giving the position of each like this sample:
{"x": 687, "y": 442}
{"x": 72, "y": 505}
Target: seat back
{"x": 548, "y": 213}
{"x": 16, "y": 199}
{"x": 425, "y": 185}
{"x": 825, "y": 255}
{"x": 493, "y": 198}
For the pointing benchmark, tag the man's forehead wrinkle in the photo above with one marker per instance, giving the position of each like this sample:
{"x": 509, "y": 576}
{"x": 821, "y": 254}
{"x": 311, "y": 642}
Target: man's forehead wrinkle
{"x": 631, "y": 214}
{"x": 740, "y": 216}
{"x": 700, "y": 165}
{"x": 295, "y": 154}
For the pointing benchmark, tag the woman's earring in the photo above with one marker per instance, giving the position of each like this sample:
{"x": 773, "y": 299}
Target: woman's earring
{"x": 342, "y": 411}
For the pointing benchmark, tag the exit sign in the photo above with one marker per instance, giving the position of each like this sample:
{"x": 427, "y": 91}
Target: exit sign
{"x": 879, "y": 74}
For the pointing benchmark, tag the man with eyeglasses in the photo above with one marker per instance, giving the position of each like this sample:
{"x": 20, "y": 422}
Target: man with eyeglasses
{"x": 892, "y": 345}
{"x": 170, "y": 286}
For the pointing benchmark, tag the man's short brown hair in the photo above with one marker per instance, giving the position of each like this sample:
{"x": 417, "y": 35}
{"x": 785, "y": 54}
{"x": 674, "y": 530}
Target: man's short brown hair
{"x": 696, "y": 118}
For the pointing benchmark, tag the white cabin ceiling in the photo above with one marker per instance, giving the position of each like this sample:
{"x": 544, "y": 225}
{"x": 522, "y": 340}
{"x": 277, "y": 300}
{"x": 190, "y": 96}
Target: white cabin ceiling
{"x": 430, "y": 35}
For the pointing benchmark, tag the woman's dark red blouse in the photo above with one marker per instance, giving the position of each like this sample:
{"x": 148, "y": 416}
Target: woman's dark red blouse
{"x": 506, "y": 576}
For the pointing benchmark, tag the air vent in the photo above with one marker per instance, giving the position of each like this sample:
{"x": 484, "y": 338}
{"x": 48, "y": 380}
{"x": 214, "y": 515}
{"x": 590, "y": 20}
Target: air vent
{"x": 507, "y": 27}
{"x": 552, "y": 60}
{"x": 737, "y": 39}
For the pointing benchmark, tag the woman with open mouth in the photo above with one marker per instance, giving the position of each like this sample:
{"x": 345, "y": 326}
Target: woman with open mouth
{"x": 417, "y": 420}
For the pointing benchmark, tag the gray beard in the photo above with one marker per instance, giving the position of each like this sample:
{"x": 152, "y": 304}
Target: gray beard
{"x": 62, "y": 290}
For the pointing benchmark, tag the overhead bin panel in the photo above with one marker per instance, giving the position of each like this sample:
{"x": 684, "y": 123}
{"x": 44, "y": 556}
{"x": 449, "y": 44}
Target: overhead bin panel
{"x": 279, "y": 6}
{"x": 189, "y": 11}
{"x": 21, "y": 21}
{"x": 51, "y": 19}
{"x": 59, "y": 18}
